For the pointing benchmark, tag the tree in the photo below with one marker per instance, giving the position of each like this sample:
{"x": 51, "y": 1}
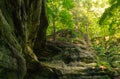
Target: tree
{"x": 111, "y": 18}
{"x": 59, "y": 15}
{"x": 23, "y": 25}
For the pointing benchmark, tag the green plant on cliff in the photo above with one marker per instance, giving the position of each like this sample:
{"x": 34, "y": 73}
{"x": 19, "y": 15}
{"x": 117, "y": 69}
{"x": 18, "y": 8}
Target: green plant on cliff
{"x": 108, "y": 49}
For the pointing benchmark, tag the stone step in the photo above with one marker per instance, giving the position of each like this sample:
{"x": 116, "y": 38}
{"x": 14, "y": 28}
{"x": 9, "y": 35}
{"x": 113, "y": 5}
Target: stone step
{"x": 83, "y": 77}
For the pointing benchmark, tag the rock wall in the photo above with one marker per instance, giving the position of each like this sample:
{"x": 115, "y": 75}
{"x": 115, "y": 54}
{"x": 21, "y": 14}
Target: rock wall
{"x": 64, "y": 59}
{"x": 20, "y": 23}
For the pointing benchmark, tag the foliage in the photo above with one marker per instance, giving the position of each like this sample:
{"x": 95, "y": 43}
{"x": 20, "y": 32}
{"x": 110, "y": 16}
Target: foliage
{"x": 65, "y": 18}
{"x": 111, "y": 17}
{"x": 98, "y": 19}
{"x": 75, "y": 13}
{"x": 68, "y": 4}
{"x": 109, "y": 51}
{"x": 59, "y": 14}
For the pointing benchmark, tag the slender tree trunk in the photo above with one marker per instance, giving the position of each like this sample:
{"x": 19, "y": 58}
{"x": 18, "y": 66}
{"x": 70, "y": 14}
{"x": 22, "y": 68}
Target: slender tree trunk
{"x": 54, "y": 29}
{"x": 86, "y": 36}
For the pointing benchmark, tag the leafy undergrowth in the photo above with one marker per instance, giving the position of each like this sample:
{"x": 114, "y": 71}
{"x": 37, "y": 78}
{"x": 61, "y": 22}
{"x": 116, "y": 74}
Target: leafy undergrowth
{"x": 108, "y": 55}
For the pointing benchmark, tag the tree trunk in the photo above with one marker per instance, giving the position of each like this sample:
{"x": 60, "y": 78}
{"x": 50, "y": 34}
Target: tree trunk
{"x": 23, "y": 25}
{"x": 54, "y": 29}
